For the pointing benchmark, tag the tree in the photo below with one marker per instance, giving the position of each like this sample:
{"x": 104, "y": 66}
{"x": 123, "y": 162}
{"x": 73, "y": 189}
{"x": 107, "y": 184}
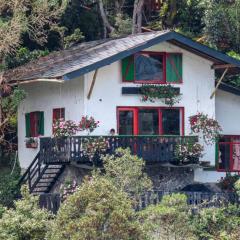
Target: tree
{"x": 137, "y": 16}
{"x": 26, "y": 222}
{"x": 126, "y": 171}
{"x": 98, "y": 210}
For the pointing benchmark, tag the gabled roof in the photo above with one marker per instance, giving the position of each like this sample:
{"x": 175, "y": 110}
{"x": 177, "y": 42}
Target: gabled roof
{"x": 89, "y": 56}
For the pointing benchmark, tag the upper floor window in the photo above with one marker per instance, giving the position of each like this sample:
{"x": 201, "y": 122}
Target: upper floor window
{"x": 58, "y": 113}
{"x": 152, "y": 67}
{"x": 34, "y": 124}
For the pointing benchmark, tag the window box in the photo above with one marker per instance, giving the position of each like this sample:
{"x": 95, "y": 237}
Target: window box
{"x": 32, "y": 143}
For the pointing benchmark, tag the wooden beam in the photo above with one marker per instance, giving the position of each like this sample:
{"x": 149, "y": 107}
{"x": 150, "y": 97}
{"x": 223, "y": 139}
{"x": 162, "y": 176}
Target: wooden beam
{"x": 219, "y": 82}
{"x": 92, "y": 84}
{"x": 220, "y": 66}
{"x": 37, "y": 80}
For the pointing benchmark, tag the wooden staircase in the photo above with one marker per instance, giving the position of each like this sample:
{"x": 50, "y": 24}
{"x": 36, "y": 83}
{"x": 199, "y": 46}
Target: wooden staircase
{"x": 41, "y": 177}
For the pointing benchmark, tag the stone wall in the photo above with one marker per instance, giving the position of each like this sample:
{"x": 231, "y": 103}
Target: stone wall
{"x": 163, "y": 178}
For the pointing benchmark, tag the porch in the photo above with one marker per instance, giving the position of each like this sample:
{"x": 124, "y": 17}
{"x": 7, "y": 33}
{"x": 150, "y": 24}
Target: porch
{"x": 87, "y": 150}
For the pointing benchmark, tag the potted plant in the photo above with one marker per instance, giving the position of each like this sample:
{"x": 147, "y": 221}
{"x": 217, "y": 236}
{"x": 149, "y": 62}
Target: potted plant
{"x": 32, "y": 142}
{"x": 188, "y": 152}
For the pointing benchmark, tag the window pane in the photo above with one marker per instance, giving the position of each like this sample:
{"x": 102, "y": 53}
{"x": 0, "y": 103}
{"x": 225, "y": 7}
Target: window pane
{"x": 171, "y": 121}
{"x": 126, "y": 122}
{"x": 148, "y": 122}
{"x": 149, "y": 67}
{"x": 224, "y": 156}
{"x": 236, "y": 157}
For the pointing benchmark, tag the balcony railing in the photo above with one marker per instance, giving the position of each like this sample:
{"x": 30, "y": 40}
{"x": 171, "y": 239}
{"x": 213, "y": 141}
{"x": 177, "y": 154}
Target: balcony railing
{"x": 153, "y": 149}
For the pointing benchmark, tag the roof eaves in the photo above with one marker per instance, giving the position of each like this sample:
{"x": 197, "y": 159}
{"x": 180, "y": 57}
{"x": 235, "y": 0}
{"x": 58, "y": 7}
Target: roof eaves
{"x": 107, "y": 61}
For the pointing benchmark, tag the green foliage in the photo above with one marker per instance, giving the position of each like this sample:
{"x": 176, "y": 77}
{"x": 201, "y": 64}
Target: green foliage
{"x": 170, "y": 219}
{"x": 126, "y": 171}
{"x": 97, "y": 211}
{"x": 76, "y": 37}
{"x": 123, "y": 25}
{"x": 227, "y": 183}
{"x": 26, "y": 221}
{"x": 237, "y": 187}
{"x": 10, "y": 103}
{"x": 9, "y": 178}
{"x": 22, "y": 56}
{"x": 217, "y": 223}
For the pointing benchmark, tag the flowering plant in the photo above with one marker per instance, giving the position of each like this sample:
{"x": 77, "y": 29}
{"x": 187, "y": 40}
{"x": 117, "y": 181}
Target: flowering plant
{"x": 165, "y": 93}
{"x": 31, "y": 142}
{"x": 208, "y": 127}
{"x": 92, "y": 146}
{"x": 68, "y": 188}
{"x": 88, "y": 124}
{"x": 62, "y": 128}
{"x": 188, "y": 152}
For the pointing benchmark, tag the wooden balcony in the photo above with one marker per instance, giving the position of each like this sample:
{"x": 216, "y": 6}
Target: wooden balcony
{"x": 153, "y": 149}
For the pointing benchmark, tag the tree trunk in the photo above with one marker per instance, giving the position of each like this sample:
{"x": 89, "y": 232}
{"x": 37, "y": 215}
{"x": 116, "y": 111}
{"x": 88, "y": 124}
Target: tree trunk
{"x": 106, "y": 23}
{"x": 137, "y": 16}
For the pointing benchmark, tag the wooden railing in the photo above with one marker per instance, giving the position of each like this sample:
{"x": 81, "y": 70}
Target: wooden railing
{"x": 52, "y": 201}
{"x": 33, "y": 173}
{"x": 153, "y": 149}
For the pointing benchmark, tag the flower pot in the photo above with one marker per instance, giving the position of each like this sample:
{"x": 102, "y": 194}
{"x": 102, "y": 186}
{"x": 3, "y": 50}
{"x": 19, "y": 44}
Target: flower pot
{"x": 32, "y": 145}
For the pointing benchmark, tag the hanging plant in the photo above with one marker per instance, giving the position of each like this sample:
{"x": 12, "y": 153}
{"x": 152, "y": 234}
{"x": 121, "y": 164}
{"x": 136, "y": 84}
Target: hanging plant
{"x": 188, "y": 152}
{"x": 209, "y": 128}
{"x": 69, "y": 128}
{"x": 165, "y": 93}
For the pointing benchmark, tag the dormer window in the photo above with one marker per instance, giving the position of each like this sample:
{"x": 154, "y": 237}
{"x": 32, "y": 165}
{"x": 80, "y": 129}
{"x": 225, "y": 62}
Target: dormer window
{"x": 153, "y": 67}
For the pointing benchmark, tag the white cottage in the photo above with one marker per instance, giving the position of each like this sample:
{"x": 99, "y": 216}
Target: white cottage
{"x": 103, "y": 79}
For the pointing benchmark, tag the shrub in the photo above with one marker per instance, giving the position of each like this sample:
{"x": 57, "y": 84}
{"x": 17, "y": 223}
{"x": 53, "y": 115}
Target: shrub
{"x": 98, "y": 210}
{"x": 170, "y": 219}
{"x": 26, "y": 222}
{"x": 218, "y": 223}
{"x": 126, "y": 172}
{"x": 227, "y": 183}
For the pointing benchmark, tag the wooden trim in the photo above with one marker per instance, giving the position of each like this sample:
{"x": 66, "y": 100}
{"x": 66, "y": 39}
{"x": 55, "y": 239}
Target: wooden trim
{"x": 220, "y": 66}
{"x": 92, "y": 84}
{"x": 36, "y": 80}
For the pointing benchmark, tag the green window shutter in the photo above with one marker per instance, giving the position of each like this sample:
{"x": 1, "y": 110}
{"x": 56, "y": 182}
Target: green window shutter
{"x": 128, "y": 69}
{"x": 174, "y": 67}
{"x": 40, "y": 126}
{"x": 27, "y": 125}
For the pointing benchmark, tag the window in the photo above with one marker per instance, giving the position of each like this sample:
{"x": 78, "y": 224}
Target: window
{"x": 58, "y": 113}
{"x": 34, "y": 124}
{"x": 150, "y": 121}
{"x": 152, "y": 67}
{"x": 228, "y": 154}
{"x": 149, "y": 67}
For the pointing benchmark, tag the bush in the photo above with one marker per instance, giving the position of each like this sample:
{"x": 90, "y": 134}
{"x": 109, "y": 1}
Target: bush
{"x": 26, "y": 222}
{"x": 218, "y": 223}
{"x": 126, "y": 171}
{"x": 170, "y": 219}
{"x": 9, "y": 188}
{"x": 227, "y": 183}
{"x": 98, "y": 210}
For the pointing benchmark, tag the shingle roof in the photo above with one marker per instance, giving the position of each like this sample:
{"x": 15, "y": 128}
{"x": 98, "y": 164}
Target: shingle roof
{"x": 89, "y": 56}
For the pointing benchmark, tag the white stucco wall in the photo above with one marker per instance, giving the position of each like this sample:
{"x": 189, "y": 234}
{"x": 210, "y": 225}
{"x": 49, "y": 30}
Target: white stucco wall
{"x": 197, "y": 86}
{"x": 228, "y": 112}
{"x": 45, "y": 97}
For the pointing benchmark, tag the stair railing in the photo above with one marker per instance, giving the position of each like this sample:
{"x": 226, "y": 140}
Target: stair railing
{"x": 32, "y": 173}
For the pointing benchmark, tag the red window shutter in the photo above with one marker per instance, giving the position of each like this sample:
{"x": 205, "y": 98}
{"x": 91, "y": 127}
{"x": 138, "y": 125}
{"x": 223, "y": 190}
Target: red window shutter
{"x": 33, "y": 124}
{"x": 58, "y": 113}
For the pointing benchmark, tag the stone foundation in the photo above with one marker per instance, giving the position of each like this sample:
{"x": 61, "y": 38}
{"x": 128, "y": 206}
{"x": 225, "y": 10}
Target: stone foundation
{"x": 163, "y": 178}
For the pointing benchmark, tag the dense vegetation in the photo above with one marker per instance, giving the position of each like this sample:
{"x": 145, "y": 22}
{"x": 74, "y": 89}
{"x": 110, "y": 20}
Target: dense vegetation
{"x": 30, "y": 29}
{"x": 102, "y": 209}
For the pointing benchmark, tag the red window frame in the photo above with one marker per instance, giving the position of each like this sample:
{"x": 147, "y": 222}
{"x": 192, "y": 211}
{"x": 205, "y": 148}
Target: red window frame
{"x": 34, "y": 124}
{"x": 135, "y": 117}
{"x": 153, "y": 81}
{"x": 57, "y": 114}
{"x": 231, "y": 144}
{"x": 156, "y": 81}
